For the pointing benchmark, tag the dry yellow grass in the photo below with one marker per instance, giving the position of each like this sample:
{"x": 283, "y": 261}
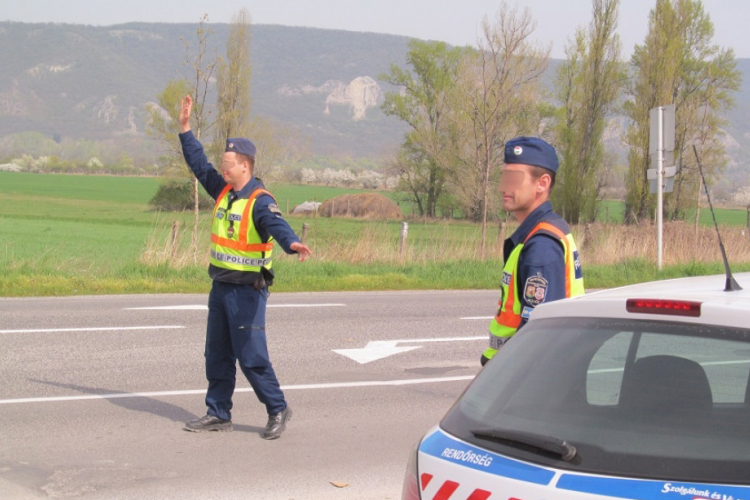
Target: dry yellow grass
{"x": 603, "y": 244}
{"x": 375, "y": 242}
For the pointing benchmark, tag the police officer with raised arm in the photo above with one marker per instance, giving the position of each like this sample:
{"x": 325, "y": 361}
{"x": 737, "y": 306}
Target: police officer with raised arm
{"x": 541, "y": 257}
{"x": 246, "y": 225}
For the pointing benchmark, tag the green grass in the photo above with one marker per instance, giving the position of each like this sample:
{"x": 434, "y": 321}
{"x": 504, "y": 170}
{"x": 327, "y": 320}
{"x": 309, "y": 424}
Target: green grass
{"x": 130, "y": 190}
{"x": 614, "y": 211}
{"x": 70, "y": 234}
{"x": 639, "y": 271}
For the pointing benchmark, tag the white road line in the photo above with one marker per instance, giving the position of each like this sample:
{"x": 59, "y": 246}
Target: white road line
{"x": 478, "y": 317}
{"x": 332, "y": 385}
{"x": 204, "y": 308}
{"x": 98, "y": 329}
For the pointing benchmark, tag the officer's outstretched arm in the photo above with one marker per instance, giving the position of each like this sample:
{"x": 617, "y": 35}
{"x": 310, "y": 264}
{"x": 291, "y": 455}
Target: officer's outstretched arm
{"x": 302, "y": 250}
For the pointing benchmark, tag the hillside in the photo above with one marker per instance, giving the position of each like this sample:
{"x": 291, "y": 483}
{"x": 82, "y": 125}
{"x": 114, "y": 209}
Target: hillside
{"x": 95, "y": 82}
{"x": 76, "y": 81}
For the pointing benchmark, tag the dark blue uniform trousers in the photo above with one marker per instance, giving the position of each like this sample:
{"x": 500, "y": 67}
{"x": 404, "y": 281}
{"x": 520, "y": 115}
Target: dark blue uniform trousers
{"x": 236, "y": 331}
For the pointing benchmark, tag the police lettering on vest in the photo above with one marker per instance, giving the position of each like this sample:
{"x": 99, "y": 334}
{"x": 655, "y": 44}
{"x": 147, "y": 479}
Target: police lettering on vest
{"x": 240, "y": 248}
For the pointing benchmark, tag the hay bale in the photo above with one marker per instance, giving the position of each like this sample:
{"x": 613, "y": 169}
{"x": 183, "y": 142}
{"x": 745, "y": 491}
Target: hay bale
{"x": 361, "y": 206}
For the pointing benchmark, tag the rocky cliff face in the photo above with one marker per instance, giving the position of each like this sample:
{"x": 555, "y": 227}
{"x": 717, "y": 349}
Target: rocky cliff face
{"x": 359, "y": 95}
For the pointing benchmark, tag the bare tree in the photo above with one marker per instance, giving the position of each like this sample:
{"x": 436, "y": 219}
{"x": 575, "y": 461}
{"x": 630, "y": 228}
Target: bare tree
{"x": 233, "y": 84}
{"x": 496, "y": 98}
{"x": 202, "y": 68}
{"x": 278, "y": 144}
{"x": 742, "y": 198}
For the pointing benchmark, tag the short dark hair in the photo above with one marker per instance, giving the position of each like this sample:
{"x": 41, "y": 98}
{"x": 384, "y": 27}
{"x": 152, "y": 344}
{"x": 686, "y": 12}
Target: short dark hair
{"x": 249, "y": 159}
{"x": 537, "y": 172}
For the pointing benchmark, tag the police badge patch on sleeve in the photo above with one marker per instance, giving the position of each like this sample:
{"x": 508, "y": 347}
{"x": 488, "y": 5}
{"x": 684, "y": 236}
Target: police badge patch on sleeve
{"x": 535, "y": 290}
{"x": 274, "y": 208}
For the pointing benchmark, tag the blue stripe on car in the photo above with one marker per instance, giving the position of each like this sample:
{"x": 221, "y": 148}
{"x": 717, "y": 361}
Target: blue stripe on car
{"x": 649, "y": 489}
{"x": 446, "y": 448}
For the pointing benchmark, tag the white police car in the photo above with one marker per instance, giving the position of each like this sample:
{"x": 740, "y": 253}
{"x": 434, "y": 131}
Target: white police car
{"x": 641, "y": 392}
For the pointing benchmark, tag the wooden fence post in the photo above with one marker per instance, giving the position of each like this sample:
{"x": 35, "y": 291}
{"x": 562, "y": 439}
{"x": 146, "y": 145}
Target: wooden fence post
{"x": 402, "y": 243}
{"x": 303, "y": 236}
{"x": 501, "y": 232}
{"x": 175, "y": 238}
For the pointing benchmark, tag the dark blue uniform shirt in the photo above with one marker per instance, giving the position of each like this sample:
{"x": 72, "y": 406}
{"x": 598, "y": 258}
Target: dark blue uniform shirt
{"x": 542, "y": 260}
{"x": 266, "y": 215}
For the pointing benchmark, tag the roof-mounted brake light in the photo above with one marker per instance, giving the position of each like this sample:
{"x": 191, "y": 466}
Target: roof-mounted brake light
{"x": 659, "y": 306}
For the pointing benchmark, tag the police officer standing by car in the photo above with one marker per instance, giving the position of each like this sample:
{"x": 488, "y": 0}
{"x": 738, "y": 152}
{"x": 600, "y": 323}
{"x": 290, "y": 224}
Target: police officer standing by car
{"x": 246, "y": 224}
{"x": 541, "y": 257}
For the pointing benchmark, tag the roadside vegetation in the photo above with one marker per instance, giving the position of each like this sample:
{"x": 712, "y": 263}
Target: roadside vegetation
{"x": 68, "y": 234}
{"x": 80, "y": 235}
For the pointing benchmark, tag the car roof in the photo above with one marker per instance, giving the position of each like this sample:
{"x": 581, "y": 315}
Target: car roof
{"x": 718, "y": 307}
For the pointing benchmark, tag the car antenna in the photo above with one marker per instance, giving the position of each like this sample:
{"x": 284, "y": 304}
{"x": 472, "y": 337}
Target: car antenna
{"x": 731, "y": 284}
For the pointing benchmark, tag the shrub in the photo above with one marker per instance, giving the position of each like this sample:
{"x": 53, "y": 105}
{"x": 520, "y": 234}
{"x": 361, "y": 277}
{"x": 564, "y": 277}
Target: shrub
{"x": 177, "y": 195}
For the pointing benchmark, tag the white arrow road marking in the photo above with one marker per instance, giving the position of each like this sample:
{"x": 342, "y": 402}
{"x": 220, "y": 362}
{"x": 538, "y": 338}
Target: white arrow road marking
{"x": 102, "y": 329}
{"x": 205, "y": 308}
{"x": 379, "y": 349}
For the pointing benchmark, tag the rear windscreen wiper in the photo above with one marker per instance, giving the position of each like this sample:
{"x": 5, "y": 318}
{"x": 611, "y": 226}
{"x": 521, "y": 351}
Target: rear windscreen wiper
{"x": 547, "y": 443}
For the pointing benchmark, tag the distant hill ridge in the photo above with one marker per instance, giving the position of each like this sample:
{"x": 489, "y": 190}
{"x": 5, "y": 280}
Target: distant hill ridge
{"x": 95, "y": 82}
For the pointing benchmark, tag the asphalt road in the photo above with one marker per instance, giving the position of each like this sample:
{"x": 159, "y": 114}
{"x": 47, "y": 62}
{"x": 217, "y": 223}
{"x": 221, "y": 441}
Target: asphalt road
{"x": 94, "y": 392}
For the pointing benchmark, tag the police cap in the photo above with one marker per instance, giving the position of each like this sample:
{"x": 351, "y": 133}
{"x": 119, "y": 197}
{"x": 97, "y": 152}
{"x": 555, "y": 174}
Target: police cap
{"x": 241, "y": 146}
{"x": 531, "y": 151}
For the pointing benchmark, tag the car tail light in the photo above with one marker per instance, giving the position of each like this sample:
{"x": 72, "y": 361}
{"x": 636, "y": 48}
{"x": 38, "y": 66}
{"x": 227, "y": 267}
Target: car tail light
{"x": 661, "y": 306}
{"x": 410, "y": 490}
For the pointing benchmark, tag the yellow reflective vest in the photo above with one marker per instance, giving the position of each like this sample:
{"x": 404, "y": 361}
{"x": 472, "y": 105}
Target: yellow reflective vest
{"x": 508, "y": 319}
{"x": 235, "y": 242}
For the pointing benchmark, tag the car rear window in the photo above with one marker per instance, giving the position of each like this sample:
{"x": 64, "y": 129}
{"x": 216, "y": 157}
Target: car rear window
{"x": 650, "y": 399}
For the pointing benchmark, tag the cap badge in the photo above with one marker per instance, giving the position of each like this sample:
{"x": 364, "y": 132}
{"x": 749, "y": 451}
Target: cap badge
{"x": 517, "y": 150}
{"x": 231, "y": 145}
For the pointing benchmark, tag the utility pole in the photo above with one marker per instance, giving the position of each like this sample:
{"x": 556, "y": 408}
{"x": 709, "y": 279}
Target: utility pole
{"x": 661, "y": 151}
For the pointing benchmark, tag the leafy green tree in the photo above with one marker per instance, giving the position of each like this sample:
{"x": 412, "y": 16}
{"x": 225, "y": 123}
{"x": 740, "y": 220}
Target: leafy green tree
{"x": 162, "y": 125}
{"x": 678, "y": 64}
{"x": 588, "y": 85}
{"x": 423, "y": 105}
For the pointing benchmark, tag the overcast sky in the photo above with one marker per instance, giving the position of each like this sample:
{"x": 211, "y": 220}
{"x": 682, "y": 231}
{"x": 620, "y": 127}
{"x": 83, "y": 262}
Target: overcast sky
{"x": 452, "y": 21}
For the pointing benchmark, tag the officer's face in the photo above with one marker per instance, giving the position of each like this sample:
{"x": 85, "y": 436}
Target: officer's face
{"x": 520, "y": 190}
{"x": 233, "y": 169}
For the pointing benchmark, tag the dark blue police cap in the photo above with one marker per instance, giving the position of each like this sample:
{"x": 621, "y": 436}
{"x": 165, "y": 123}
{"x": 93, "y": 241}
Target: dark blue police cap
{"x": 241, "y": 146}
{"x": 531, "y": 151}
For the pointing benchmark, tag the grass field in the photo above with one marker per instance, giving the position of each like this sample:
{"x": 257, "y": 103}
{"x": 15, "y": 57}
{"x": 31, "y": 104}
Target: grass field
{"x": 69, "y": 234}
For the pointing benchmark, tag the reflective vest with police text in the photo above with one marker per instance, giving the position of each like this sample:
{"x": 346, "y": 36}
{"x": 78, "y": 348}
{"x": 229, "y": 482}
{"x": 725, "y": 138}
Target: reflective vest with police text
{"x": 509, "y": 314}
{"x": 235, "y": 242}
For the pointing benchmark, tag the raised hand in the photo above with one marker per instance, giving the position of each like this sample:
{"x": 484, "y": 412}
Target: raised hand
{"x": 186, "y": 107}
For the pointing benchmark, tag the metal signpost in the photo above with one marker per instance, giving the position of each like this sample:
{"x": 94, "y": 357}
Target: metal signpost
{"x": 661, "y": 151}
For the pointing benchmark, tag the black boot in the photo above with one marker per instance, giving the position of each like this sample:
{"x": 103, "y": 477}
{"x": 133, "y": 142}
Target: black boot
{"x": 277, "y": 423}
{"x": 208, "y": 423}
